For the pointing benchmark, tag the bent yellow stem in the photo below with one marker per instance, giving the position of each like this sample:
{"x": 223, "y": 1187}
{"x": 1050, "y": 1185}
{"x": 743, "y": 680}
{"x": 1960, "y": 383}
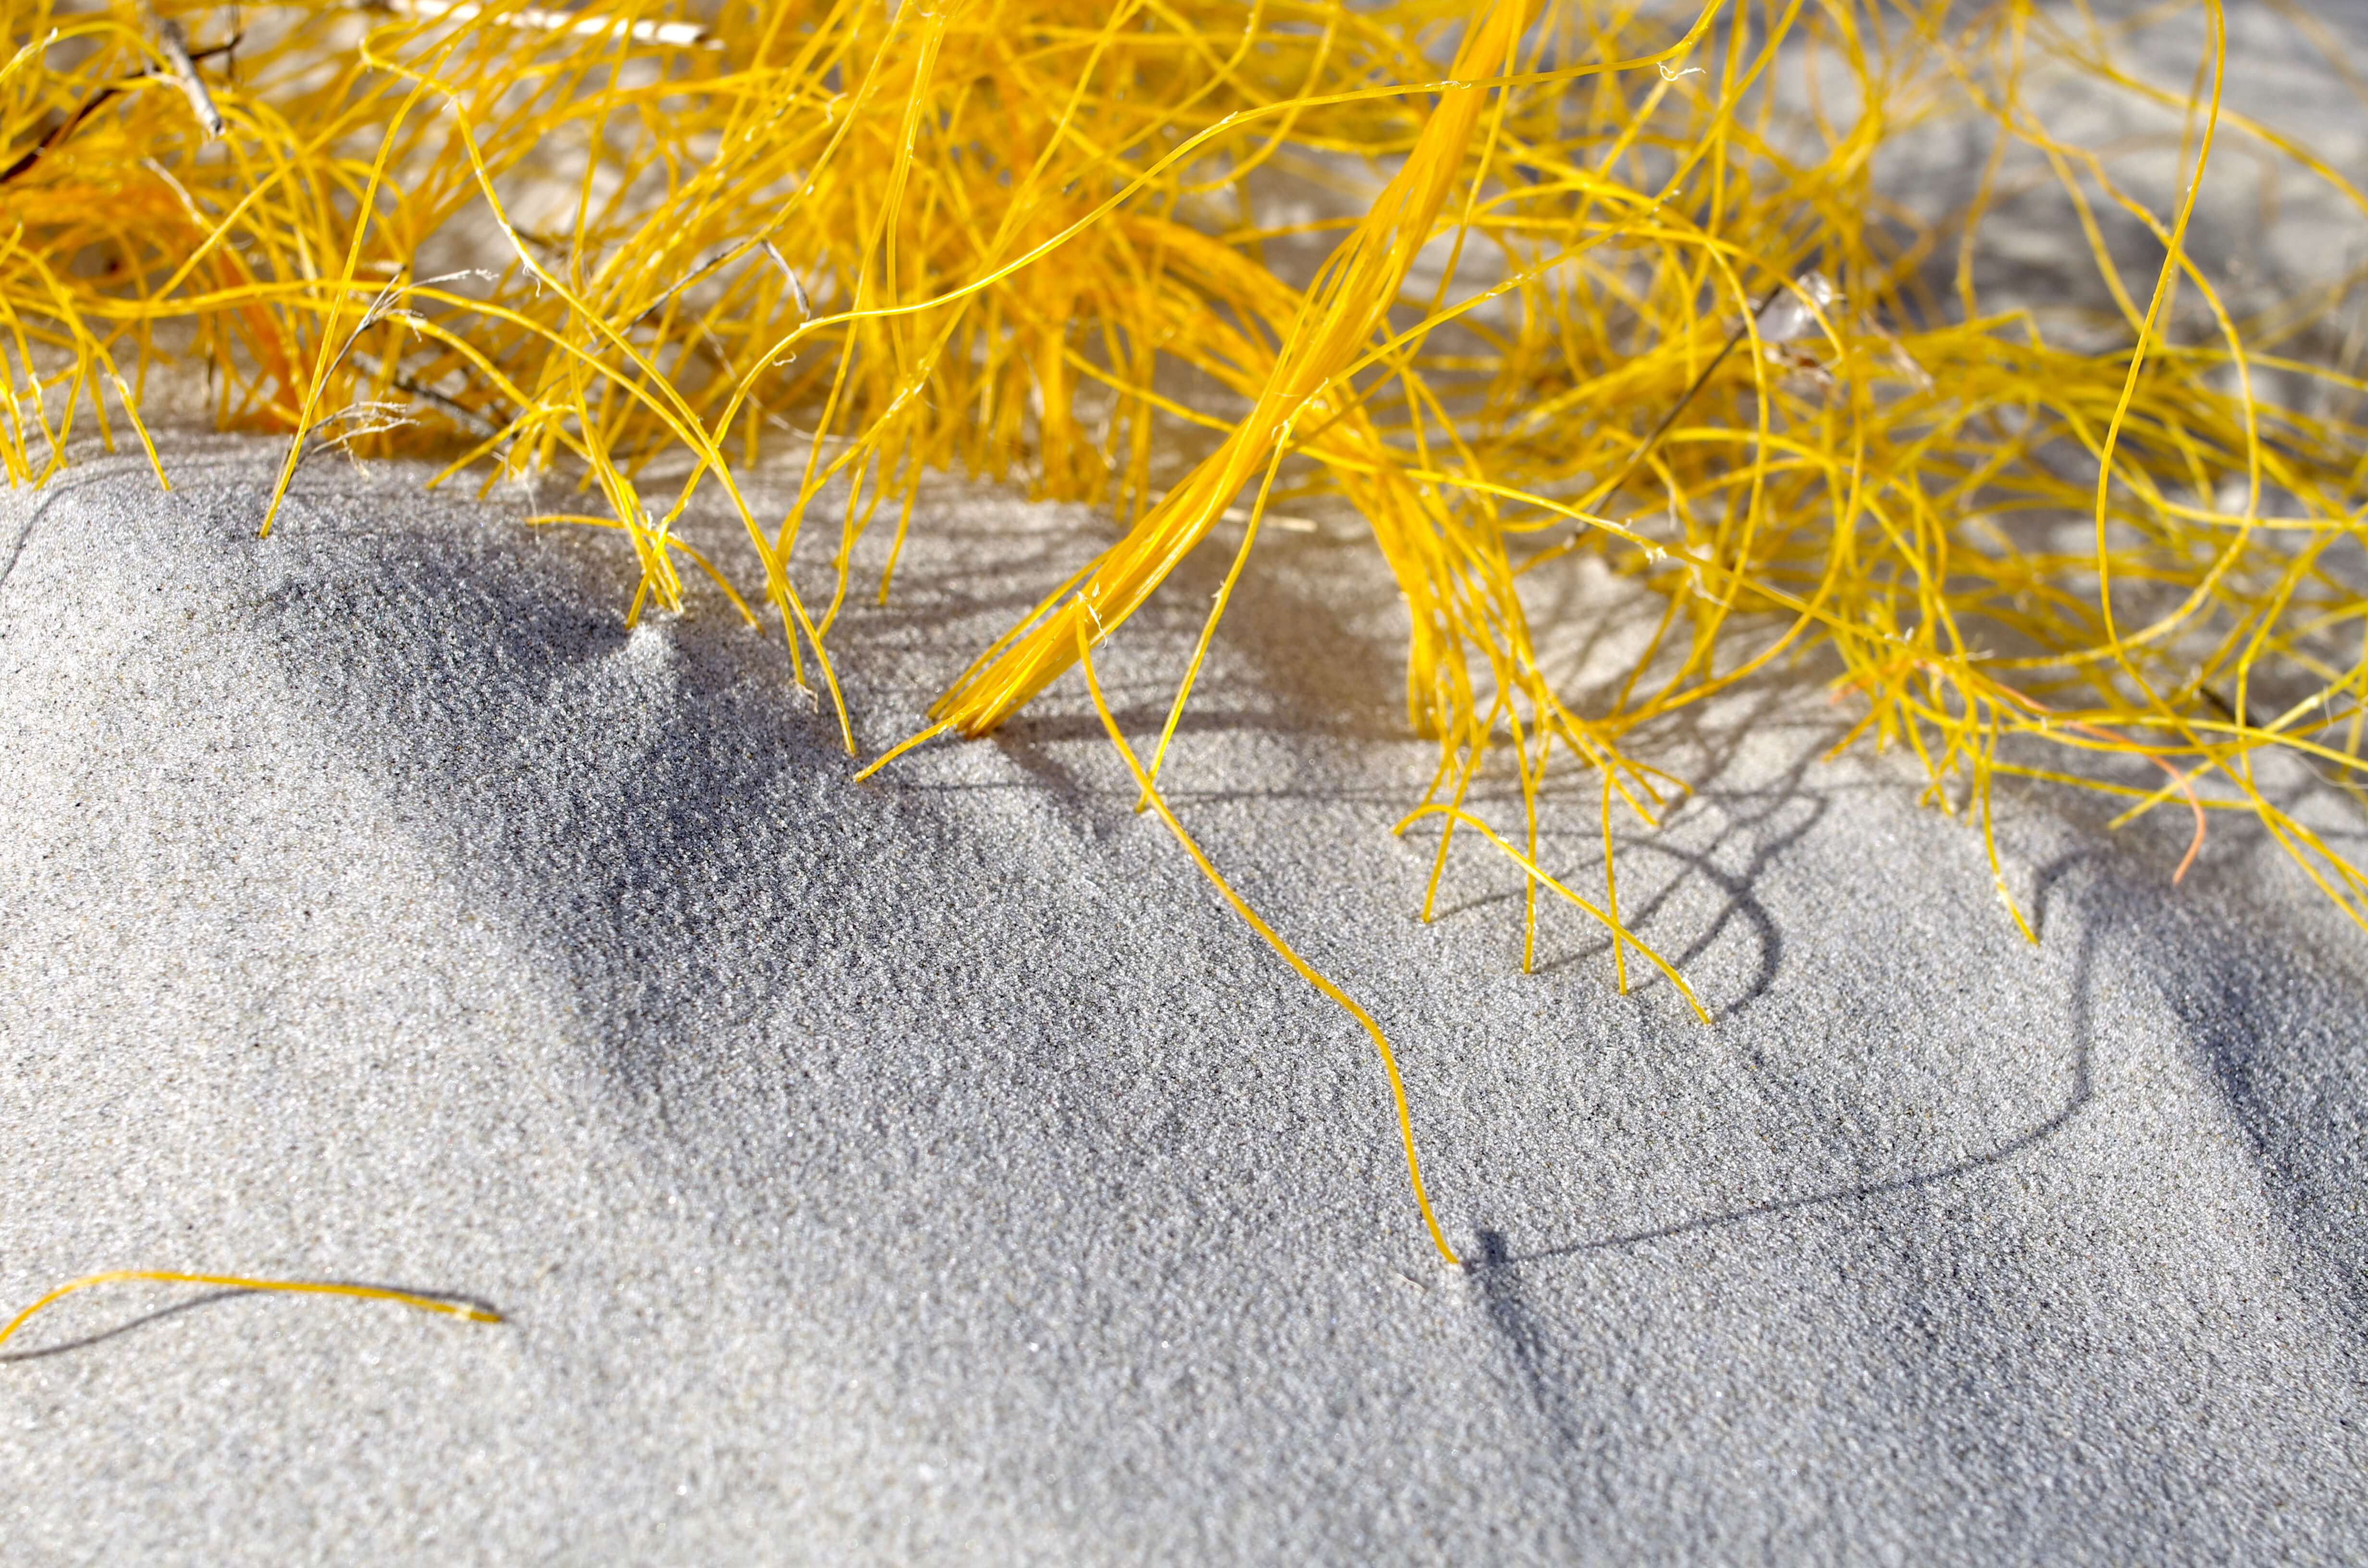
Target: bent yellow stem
{"x": 240, "y": 1282}
{"x": 1289, "y": 954}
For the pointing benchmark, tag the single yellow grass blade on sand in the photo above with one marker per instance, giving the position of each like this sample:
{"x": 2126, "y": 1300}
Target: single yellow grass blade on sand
{"x": 240, "y": 1282}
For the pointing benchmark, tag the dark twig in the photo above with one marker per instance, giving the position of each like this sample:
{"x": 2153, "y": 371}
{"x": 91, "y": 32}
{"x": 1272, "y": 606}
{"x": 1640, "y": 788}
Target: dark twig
{"x": 1637, "y": 458}
{"x": 99, "y": 100}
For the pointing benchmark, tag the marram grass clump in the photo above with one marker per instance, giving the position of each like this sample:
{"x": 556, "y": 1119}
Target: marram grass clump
{"x": 1513, "y": 280}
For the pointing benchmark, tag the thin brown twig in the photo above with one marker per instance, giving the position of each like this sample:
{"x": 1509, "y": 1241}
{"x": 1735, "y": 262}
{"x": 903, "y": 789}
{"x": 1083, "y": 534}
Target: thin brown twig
{"x": 99, "y": 100}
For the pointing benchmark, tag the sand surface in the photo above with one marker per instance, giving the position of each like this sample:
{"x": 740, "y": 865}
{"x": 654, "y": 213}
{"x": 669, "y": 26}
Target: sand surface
{"x": 935, "y": 1168}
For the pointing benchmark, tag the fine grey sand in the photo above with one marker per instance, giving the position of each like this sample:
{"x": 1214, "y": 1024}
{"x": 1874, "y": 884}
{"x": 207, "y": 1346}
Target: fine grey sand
{"x": 934, "y": 1169}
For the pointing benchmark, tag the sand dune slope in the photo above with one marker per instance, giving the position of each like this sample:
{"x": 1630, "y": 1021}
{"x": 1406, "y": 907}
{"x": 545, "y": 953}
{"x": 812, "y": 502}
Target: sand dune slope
{"x": 933, "y": 1169}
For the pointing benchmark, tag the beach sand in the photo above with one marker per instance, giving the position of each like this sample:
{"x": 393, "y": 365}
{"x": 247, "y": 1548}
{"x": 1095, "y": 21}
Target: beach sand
{"x": 933, "y": 1168}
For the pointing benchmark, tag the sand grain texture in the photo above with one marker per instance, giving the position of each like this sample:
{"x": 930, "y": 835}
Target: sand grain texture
{"x": 933, "y": 1169}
